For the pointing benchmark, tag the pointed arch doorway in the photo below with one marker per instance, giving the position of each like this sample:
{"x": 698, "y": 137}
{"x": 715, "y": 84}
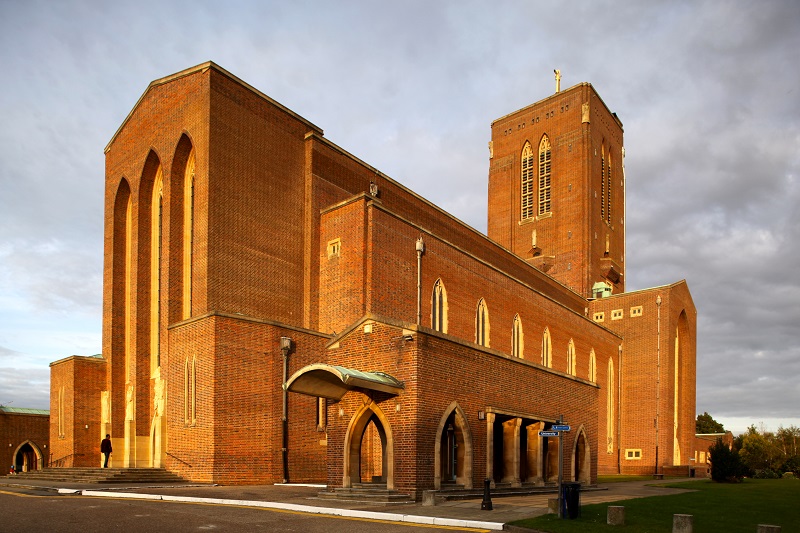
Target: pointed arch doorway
{"x": 453, "y": 451}
{"x": 369, "y": 448}
{"x": 581, "y": 458}
{"x": 28, "y": 457}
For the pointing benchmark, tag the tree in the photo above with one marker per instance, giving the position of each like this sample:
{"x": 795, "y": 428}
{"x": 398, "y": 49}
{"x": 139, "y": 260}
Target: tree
{"x": 759, "y": 452}
{"x": 726, "y": 466}
{"x": 706, "y": 424}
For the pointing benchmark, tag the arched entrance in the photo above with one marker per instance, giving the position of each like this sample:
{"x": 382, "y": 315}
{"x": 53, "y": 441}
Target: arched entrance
{"x": 581, "y": 458}
{"x": 27, "y": 457}
{"x": 453, "y": 449}
{"x": 360, "y": 443}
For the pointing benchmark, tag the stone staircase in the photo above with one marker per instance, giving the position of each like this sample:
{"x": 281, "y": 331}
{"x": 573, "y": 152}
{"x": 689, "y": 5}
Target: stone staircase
{"x": 100, "y": 475}
{"x": 452, "y": 492}
{"x": 368, "y": 493}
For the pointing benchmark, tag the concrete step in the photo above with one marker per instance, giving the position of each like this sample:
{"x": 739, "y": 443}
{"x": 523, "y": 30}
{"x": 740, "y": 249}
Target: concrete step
{"x": 102, "y": 475}
{"x": 366, "y": 495}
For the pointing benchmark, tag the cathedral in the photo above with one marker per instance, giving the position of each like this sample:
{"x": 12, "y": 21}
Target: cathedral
{"x": 277, "y": 310}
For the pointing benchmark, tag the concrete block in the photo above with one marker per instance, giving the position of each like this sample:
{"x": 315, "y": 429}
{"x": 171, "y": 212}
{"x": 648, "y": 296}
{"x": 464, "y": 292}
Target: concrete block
{"x": 615, "y": 515}
{"x": 765, "y": 528}
{"x": 428, "y": 498}
{"x": 682, "y": 523}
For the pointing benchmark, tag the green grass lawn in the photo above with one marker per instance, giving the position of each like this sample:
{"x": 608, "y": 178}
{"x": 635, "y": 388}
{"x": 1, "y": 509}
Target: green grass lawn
{"x": 621, "y": 478}
{"x": 716, "y": 507}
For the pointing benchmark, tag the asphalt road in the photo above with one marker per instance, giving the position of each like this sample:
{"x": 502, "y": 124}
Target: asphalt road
{"x": 39, "y": 511}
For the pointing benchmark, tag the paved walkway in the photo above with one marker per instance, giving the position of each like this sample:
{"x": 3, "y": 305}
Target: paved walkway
{"x": 299, "y": 498}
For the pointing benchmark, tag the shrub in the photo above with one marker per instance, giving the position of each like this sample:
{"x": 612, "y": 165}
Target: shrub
{"x": 726, "y": 466}
{"x": 766, "y": 474}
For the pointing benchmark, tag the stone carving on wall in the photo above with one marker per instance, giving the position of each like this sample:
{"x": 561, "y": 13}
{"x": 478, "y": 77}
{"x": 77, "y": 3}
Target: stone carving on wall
{"x": 585, "y": 113}
{"x": 105, "y": 408}
{"x": 158, "y": 394}
{"x": 129, "y": 402}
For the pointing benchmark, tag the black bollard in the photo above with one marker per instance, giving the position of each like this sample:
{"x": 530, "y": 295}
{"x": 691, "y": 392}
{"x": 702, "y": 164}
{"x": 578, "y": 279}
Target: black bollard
{"x": 486, "y": 504}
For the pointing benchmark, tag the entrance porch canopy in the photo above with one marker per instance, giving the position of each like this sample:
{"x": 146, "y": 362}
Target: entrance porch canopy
{"x": 333, "y": 382}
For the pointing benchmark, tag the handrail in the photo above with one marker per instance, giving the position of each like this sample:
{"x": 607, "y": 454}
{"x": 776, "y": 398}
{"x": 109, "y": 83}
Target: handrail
{"x": 179, "y": 459}
{"x": 61, "y": 462}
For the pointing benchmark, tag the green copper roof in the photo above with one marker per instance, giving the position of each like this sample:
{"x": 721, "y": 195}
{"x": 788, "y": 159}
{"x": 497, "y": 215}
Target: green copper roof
{"x": 333, "y": 382}
{"x": 24, "y": 410}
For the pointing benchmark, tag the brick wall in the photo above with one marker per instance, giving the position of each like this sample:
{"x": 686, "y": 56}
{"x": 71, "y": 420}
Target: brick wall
{"x": 81, "y": 379}
{"x": 17, "y": 429}
{"x": 646, "y": 363}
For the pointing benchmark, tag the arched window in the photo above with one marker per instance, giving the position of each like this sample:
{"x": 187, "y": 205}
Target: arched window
{"x": 128, "y": 288}
{"x": 603, "y": 190}
{"x": 609, "y": 188}
{"x": 527, "y": 193}
{"x": 544, "y": 175}
{"x": 517, "y": 340}
{"x": 187, "y": 395}
{"x": 439, "y": 307}
{"x": 190, "y": 391}
{"x": 482, "y": 324}
{"x": 188, "y": 235}
{"x": 156, "y": 226}
{"x": 610, "y": 392}
{"x": 547, "y": 349}
{"x": 676, "y": 453}
{"x": 571, "y": 358}
{"x": 592, "y": 367}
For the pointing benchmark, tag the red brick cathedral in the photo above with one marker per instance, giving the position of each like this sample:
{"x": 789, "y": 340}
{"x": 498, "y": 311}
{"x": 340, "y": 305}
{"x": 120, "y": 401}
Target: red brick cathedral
{"x": 276, "y": 309}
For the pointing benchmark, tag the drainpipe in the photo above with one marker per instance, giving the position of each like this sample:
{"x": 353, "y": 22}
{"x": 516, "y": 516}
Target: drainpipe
{"x": 619, "y": 413}
{"x": 286, "y": 345}
{"x": 420, "y": 251}
{"x": 658, "y": 373}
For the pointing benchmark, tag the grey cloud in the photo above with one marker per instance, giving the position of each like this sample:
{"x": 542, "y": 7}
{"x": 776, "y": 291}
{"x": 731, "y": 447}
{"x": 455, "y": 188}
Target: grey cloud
{"x": 707, "y": 93}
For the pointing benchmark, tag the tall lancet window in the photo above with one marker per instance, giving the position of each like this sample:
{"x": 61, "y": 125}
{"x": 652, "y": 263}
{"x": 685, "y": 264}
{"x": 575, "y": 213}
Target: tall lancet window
{"x": 571, "y": 366}
{"x": 155, "y": 269}
{"x": 603, "y": 191}
{"x": 516, "y": 338}
{"x": 188, "y": 235}
{"x": 527, "y": 193}
{"x": 439, "y": 307}
{"x": 547, "y": 349}
{"x": 482, "y": 324}
{"x": 609, "y": 188}
{"x": 610, "y": 392}
{"x": 544, "y": 175}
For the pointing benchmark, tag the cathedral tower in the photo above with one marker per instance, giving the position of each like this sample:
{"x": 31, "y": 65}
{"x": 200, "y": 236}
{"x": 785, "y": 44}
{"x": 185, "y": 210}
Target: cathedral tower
{"x": 557, "y": 189}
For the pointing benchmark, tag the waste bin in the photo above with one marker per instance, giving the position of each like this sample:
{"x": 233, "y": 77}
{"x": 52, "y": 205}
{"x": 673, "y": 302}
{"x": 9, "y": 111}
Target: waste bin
{"x": 570, "y": 500}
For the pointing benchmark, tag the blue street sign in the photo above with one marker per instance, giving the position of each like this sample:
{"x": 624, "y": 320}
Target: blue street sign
{"x": 548, "y": 434}
{"x": 560, "y": 428}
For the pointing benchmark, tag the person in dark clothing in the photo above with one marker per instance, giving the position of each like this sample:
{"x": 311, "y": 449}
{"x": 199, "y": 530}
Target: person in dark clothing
{"x": 105, "y": 449}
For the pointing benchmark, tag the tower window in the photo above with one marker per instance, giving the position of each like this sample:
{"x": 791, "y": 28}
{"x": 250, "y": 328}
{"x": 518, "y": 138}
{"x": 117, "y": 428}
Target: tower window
{"x": 544, "y": 175}
{"x": 527, "y": 194}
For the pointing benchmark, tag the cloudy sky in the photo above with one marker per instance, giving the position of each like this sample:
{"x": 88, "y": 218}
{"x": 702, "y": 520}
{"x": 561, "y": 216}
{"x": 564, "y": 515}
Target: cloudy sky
{"x": 708, "y": 93}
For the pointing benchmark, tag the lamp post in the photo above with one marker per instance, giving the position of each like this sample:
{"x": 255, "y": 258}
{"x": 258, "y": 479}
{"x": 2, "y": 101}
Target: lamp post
{"x": 286, "y": 346}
